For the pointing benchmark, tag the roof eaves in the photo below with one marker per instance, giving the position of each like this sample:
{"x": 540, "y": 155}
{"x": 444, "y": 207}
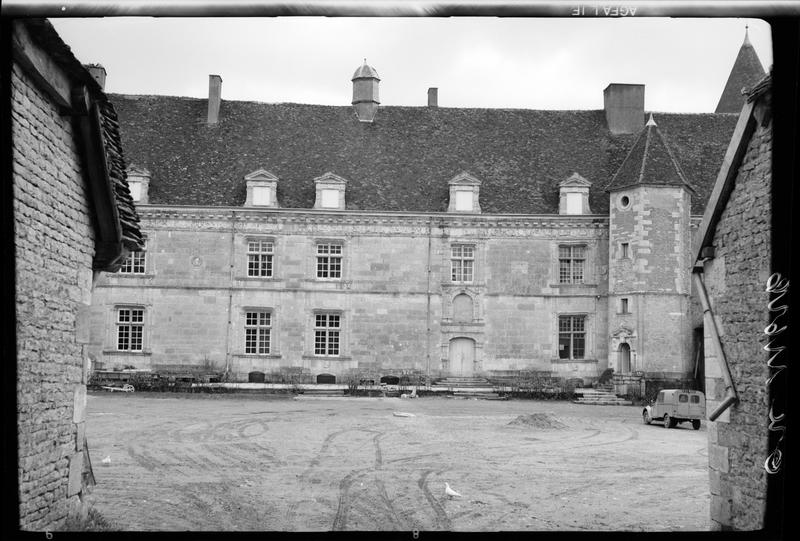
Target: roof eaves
{"x": 723, "y": 186}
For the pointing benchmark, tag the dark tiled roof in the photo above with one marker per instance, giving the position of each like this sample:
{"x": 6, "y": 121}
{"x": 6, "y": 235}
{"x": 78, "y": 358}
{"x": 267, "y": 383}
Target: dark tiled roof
{"x": 760, "y": 88}
{"x": 650, "y": 161}
{"x": 400, "y": 162}
{"x": 43, "y": 33}
{"x": 115, "y": 161}
{"x": 747, "y": 71}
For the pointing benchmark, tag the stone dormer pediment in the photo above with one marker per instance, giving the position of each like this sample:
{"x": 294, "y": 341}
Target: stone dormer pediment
{"x": 575, "y": 180}
{"x": 330, "y": 192}
{"x": 464, "y": 179}
{"x": 465, "y": 191}
{"x": 262, "y": 188}
{"x": 261, "y": 174}
{"x": 330, "y": 178}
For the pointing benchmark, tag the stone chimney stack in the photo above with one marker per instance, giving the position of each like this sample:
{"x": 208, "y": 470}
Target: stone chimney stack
{"x": 624, "y": 107}
{"x": 433, "y": 97}
{"x": 99, "y": 73}
{"x": 365, "y": 92}
{"x": 214, "y": 98}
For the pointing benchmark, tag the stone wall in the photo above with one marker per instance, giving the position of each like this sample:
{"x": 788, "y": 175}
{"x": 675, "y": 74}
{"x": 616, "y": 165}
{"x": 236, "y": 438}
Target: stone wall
{"x": 395, "y": 294}
{"x": 54, "y": 248}
{"x": 654, "y": 279}
{"x": 735, "y": 279}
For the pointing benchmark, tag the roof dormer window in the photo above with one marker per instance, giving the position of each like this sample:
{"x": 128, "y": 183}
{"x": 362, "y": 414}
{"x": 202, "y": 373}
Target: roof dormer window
{"x": 330, "y": 192}
{"x": 464, "y": 194}
{"x": 262, "y": 187}
{"x": 574, "y": 195}
{"x": 138, "y": 183}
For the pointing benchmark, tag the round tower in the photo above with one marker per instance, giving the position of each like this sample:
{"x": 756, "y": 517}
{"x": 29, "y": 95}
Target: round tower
{"x": 365, "y": 92}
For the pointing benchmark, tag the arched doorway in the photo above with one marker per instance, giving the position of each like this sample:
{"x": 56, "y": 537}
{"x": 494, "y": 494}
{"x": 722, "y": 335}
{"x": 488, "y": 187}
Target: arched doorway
{"x": 624, "y": 358}
{"x": 462, "y": 356}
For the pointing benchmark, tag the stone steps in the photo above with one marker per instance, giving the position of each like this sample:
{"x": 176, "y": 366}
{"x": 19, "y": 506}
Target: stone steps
{"x": 478, "y": 395}
{"x": 463, "y": 383}
{"x": 600, "y": 397}
{"x": 322, "y": 392}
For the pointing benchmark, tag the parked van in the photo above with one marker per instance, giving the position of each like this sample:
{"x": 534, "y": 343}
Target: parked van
{"x": 673, "y": 406}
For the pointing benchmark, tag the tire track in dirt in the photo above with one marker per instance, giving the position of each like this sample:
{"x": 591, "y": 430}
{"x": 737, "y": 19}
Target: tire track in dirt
{"x": 392, "y": 513}
{"x": 322, "y": 450}
{"x": 141, "y": 457}
{"x": 442, "y": 520}
{"x": 378, "y": 454}
{"x": 344, "y": 504}
{"x": 413, "y": 457}
{"x": 631, "y": 434}
{"x": 340, "y": 518}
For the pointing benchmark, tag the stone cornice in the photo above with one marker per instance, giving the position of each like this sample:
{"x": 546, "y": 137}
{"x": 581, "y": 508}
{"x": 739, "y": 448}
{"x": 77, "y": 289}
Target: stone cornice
{"x": 350, "y": 217}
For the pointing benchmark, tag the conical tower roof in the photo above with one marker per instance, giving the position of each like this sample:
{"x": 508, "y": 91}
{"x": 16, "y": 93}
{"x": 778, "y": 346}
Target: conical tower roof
{"x": 747, "y": 71}
{"x": 649, "y": 162}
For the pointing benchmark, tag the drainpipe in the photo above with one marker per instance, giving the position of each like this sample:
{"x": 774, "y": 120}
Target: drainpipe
{"x": 428, "y": 335}
{"x": 232, "y": 262}
{"x": 708, "y": 316}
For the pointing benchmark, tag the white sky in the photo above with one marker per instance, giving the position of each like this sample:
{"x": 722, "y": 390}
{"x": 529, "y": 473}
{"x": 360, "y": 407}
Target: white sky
{"x": 475, "y": 62}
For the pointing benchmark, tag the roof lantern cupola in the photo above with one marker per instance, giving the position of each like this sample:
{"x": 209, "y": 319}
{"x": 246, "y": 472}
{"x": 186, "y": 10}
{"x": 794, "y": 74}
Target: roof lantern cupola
{"x": 365, "y": 92}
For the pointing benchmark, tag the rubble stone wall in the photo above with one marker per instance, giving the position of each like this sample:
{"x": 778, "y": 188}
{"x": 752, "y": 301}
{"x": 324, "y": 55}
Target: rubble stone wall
{"x": 54, "y": 248}
{"x": 736, "y": 279}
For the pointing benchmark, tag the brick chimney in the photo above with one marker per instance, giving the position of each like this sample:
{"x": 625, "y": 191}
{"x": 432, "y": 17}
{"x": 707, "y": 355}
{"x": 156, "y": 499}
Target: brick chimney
{"x": 433, "y": 97}
{"x": 214, "y": 98}
{"x": 99, "y": 73}
{"x": 624, "y": 107}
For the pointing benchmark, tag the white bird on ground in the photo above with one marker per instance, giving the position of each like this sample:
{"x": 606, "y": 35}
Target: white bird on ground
{"x": 450, "y": 492}
{"x": 106, "y": 460}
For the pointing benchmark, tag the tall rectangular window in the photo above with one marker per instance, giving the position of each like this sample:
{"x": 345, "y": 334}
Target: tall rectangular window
{"x": 329, "y": 260}
{"x": 625, "y": 249}
{"x": 130, "y": 329}
{"x": 327, "y": 329}
{"x": 257, "y": 332}
{"x": 623, "y": 306}
{"x": 462, "y": 263}
{"x": 571, "y": 261}
{"x": 134, "y": 263}
{"x": 259, "y": 258}
{"x": 571, "y": 337}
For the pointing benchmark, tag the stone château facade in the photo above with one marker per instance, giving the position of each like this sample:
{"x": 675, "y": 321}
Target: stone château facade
{"x": 392, "y": 240}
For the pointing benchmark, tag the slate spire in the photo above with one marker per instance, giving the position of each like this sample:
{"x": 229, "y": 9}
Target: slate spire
{"x": 649, "y": 162}
{"x": 747, "y": 71}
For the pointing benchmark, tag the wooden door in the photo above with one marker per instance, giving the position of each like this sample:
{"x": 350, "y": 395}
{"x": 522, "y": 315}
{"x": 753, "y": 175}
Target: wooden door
{"x": 462, "y": 356}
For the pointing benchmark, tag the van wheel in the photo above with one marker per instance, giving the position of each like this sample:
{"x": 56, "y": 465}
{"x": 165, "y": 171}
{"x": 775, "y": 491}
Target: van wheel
{"x": 696, "y": 424}
{"x": 669, "y": 422}
{"x": 646, "y": 418}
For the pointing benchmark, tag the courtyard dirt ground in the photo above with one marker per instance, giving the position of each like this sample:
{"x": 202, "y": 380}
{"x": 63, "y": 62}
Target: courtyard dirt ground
{"x": 243, "y": 462}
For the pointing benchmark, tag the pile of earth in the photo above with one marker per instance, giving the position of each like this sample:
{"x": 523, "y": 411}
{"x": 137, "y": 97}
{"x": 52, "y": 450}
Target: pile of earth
{"x": 538, "y": 420}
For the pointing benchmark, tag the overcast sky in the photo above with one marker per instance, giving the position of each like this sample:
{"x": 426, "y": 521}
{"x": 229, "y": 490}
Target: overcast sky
{"x": 475, "y": 62}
